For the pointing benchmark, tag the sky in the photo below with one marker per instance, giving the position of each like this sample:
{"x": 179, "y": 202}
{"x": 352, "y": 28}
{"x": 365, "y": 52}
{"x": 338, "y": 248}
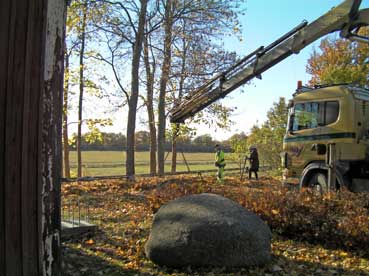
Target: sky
{"x": 264, "y": 21}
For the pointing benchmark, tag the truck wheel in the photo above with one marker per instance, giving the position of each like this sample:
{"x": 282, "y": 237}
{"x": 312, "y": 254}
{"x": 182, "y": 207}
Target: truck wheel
{"x": 319, "y": 182}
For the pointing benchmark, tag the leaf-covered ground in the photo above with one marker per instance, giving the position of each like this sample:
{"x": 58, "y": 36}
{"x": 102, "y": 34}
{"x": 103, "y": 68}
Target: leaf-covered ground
{"x": 312, "y": 235}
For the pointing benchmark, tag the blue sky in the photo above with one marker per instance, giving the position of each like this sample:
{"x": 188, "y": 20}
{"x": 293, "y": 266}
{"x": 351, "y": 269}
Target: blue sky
{"x": 264, "y": 22}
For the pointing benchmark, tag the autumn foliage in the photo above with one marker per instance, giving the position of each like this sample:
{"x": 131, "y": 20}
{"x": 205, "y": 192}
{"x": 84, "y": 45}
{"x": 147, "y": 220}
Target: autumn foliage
{"x": 339, "y": 61}
{"x": 312, "y": 234}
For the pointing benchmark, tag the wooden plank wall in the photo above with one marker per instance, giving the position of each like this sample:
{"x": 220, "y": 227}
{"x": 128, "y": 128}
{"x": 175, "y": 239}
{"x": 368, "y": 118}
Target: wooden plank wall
{"x": 4, "y": 31}
{"x": 31, "y": 33}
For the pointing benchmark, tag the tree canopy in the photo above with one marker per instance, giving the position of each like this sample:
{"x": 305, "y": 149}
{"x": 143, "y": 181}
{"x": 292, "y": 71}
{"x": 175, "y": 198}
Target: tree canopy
{"x": 339, "y": 61}
{"x": 164, "y": 47}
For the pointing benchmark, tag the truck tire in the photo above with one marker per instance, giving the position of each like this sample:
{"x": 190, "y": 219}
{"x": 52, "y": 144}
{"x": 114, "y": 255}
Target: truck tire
{"x": 316, "y": 174}
{"x": 319, "y": 182}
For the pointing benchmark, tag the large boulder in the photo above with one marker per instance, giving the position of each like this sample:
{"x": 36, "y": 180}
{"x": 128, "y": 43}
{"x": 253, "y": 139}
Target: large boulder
{"x": 207, "y": 230}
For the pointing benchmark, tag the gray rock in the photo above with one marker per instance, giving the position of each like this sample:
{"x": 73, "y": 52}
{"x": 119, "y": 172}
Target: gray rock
{"x": 207, "y": 230}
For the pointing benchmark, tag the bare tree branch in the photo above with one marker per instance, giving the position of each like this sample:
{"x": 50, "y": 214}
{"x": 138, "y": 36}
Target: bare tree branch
{"x": 126, "y": 11}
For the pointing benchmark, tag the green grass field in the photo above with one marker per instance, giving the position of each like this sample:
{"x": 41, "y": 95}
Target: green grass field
{"x": 99, "y": 163}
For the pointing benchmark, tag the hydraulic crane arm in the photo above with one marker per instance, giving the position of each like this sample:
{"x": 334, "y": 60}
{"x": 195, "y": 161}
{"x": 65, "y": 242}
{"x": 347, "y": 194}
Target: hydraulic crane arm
{"x": 346, "y": 18}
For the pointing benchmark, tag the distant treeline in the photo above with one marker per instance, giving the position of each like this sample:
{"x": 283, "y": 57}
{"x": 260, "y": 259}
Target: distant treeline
{"x": 117, "y": 142}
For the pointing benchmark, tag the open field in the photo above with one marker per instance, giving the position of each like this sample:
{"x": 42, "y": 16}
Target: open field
{"x": 97, "y": 163}
{"x": 312, "y": 235}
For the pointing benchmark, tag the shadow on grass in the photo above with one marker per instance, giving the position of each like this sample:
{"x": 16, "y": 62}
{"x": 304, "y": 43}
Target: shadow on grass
{"x": 352, "y": 244}
{"x": 82, "y": 261}
{"x": 134, "y": 198}
{"x": 78, "y": 262}
{"x": 311, "y": 268}
{"x": 278, "y": 266}
{"x": 100, "y": 257}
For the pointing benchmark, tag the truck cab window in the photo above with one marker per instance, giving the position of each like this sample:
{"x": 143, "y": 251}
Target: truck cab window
{"x": 314, "y": 114}
{"x": 306, "y": 116}
{"x": 298, "y": 117}
{"x": 331, "y": 112}
{"x": 312, "y": 109}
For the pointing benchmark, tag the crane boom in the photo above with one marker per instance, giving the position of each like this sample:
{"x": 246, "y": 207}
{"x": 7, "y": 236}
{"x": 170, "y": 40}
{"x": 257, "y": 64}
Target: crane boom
{"x": 346, "y": 18}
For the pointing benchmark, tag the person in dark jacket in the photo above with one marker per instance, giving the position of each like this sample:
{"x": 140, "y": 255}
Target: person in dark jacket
{"x": 254, "y": 161}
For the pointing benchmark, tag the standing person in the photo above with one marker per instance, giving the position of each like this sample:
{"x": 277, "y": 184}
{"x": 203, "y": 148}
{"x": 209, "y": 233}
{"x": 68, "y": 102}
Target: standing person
{"x": 254, "y": 161}
{"x": 219, "y": 163}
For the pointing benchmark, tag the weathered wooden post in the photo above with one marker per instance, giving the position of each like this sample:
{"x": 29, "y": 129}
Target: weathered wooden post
{"x": 31, "y": 75}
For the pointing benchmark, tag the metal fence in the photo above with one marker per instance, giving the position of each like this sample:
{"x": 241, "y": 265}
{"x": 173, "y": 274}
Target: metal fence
{"x": 76, "y": 218}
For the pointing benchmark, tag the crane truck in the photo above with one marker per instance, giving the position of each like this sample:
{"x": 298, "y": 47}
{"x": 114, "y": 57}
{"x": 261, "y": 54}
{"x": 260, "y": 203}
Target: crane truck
{"x": 327, "y": 139}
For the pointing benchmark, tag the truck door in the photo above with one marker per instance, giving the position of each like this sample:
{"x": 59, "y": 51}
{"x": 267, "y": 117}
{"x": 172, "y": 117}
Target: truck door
{"x": 304, "y": 129}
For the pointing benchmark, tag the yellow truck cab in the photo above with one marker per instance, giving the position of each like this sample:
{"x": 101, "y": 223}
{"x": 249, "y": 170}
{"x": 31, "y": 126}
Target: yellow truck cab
{"x": 338, "y": 115}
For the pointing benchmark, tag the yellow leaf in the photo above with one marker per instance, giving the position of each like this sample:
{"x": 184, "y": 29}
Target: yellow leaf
{"x": 90, "y": 241}
{"x": 343, "y": 254}
{"x": 275, "y": 212}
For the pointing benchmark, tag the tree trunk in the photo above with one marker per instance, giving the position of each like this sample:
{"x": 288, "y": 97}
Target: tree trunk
{"x": 65, "y": 115}
{"x": 150, "y": 107}
{"x": 178, "y": 100}
{"x": 81, "y": 90}
{"x": 132, "y": 104}
{"x": 165, "y": 70}
{"x": 153, "y": 144}
{"x": 174, "y": 153}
